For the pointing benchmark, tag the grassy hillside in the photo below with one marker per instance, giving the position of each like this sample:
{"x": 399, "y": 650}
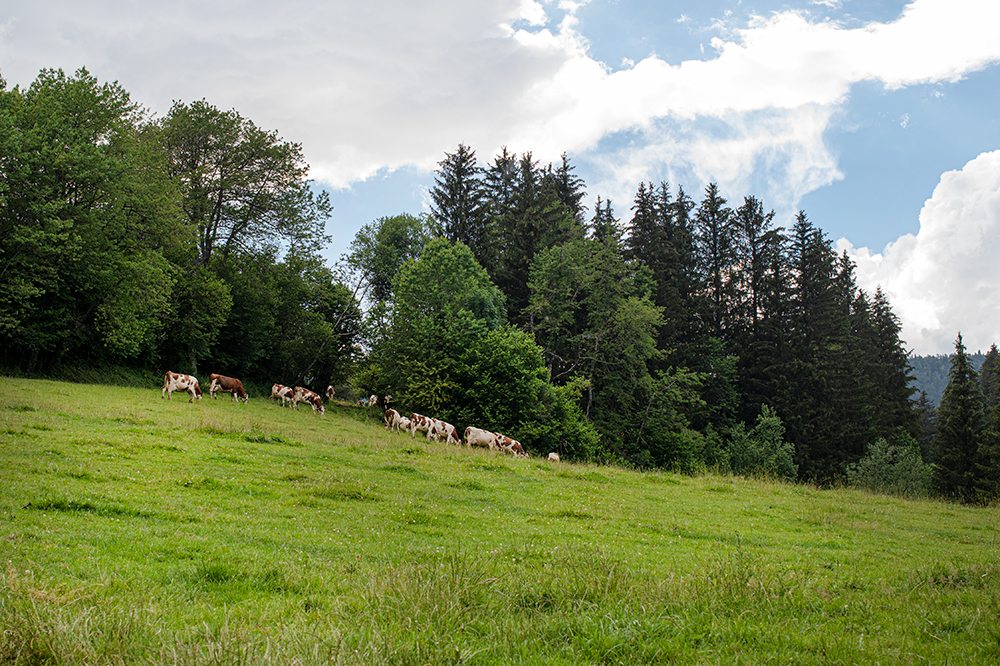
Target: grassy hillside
{"x": 140, "y": 530}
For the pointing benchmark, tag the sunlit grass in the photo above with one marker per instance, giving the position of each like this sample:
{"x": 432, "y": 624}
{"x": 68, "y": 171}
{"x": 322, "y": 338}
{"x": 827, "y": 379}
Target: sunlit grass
{"x": 135, "y": 529}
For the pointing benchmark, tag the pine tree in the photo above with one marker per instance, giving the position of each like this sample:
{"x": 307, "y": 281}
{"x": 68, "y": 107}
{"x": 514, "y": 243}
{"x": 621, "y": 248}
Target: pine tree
{"x": 960, "y": 420}
{"x": 714, "y": 243}
{"x": 989, "y": 376}
{"x": 458, "y": 210}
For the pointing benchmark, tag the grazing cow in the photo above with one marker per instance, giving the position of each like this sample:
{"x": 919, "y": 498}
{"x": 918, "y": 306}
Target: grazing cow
{"x": 392, "y": 419}
{"x": 419, "y": 422}
{"x": 286, "y": 393}
{"x": 512, "y": 446}
{"x": 229, "y": 385}
{"x": 404, "y": 424}
{"x": 303, "y": 394}
{"x": 479, "y": 437}
{"x": 330, "y": 392}
{"x": 449, "y": 432}
{"x": 175, "y": 381}
{"x": 553, "y": 457}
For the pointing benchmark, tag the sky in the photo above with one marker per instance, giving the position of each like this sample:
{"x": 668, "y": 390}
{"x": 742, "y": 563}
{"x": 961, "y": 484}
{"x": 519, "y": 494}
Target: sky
{"x": 879, "y": 118}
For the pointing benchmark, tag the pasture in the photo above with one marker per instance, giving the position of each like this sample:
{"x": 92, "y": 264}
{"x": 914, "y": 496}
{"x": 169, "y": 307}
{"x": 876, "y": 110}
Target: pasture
{"x": 140, "y": 530}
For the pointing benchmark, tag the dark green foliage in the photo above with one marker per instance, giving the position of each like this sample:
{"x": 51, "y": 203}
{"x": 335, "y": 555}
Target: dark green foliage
{"x": 763, "y": 450}
{"x": 85, "y": 218}
{"x": 961, "y": 420}
{"x": 892, "y": 467}
{"x": 989, "y": 376}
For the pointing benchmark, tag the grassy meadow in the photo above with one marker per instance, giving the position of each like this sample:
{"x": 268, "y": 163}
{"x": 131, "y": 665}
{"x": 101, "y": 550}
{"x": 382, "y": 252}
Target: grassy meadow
{"x": 139, "y": 530}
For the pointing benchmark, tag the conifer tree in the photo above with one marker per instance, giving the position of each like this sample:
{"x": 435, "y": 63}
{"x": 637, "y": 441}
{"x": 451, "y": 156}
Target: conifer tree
{"x": 714, "y": 243}
{"x": 458, "y": 210}
{"x": 960, "y": 422}
{"x": 989, "y": 376}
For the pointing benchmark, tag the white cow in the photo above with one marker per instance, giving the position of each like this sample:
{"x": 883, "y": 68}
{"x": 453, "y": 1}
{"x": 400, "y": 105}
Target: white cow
{"x": 175, "y": 381}
{"x": 392, "y": 420}
{"x": 303, "y": 394}
{"x": 553, "y": 457}
{"x": 512, "y": 446}
{"x": 447, "y": 430}
{"x": 420, "y": 422}
{"x": 285, "y": 393}
{"x": 479, "y": 437}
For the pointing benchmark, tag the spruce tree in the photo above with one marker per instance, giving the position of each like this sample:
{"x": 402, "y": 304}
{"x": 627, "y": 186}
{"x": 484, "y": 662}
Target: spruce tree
{"x": 458, "y": 212}
{"x": 989, "y": 376}
{"x": 961, "y": 420}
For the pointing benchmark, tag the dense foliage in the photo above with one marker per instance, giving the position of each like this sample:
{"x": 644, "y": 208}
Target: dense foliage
{"x": 188, "y": 243}
{"x": 683, "y": 335}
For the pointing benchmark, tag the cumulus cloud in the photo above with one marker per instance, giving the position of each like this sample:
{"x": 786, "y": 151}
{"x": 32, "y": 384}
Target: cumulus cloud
{"x": 944, "y": 279}
{"x": 383, "y": 84}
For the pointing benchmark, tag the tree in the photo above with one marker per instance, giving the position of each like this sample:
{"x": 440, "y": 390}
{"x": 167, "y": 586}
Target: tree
{"x": 989, "y": 376}
{"x": 960, "y": 421}
{"x": 458, "y": 211}
{"x": 716, "y": 254}
{"x": 86, "y": 216}
{"x": 893, "y": 467}
{"x": 381, "y": 248}
{"x": 244, "y": 188}
{"x": 443, "y": 302}
{"x": 763, "y": 450}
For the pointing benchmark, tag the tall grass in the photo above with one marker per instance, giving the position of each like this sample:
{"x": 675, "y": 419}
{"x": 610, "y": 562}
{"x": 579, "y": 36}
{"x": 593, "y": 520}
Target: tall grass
{"x": 140, "y": 530}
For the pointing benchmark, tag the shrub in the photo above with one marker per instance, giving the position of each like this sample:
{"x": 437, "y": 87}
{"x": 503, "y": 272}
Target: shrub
{"x": 762, "y": 451}
{"x": 893, "y": 468}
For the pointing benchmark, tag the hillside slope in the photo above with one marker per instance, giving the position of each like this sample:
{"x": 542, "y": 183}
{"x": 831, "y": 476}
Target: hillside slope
{"x": 142, "y": 530}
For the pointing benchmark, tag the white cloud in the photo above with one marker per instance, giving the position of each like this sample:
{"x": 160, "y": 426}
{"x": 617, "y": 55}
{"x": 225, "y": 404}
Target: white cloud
{"x": 383, "y": 84}
{"x": 945, "y": 278}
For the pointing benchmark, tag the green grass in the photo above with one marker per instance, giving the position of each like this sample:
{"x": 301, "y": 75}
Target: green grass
{"x": 140, "y": 530}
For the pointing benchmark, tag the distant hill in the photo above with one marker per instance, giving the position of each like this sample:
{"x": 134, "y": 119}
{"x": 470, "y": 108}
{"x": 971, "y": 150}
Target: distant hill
{"x": 931, "y": 373}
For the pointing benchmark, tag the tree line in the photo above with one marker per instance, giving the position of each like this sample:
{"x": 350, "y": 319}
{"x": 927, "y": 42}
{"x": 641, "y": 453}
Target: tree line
{"x": 161, "y": 242}
{"x": 679, "y": 334}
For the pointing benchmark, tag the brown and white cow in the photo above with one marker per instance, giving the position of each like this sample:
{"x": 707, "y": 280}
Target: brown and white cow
{"x": 420, "y": 422}
{"x": 512, "y": 446}
{"x": 404, "y": 424}
{"x": 330, "y": 392}
{"x": 285, "y": 393}
{"x": 442, "y": 428}
{"x": 373, "y": 400}
{"x": 553, "y": 457}
{"x": 303, "y": 394}
{"x": 392, "y": 420}
{"x": 232, "y": 386}
{"x": 175, "y": 381}
{"x": 479, "y": 437}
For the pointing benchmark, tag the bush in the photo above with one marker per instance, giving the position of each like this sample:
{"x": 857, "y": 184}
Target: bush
{"x": 893, "y": 468}
{"x": 762, "y": 451}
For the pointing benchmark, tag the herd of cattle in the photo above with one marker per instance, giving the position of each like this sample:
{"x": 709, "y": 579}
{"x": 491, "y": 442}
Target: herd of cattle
{"x": 394, "y": 421}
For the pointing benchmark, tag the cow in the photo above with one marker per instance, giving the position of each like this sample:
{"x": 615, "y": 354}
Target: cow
{"x": 392, "y": 419}
{"x": 229, "y": 385}
{"x": 287, "y": 394}
{"x": 420, "y": 422}
{"x": 330, "y": 392}
{"x": 553, "y": 457}
{"x": 441, "y": 428}
{"x": 175, "y": 381}
{"x": 508, "y": 445}
{"x": 373, "y": 401}
{"x": 404, "y": 424}
{"x": 479, "y": 437}
{"x": 303, "y": 394}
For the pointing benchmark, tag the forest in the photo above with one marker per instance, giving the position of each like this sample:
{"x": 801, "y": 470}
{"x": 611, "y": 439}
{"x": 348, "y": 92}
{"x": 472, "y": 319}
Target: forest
{"x": 679, "y": 332}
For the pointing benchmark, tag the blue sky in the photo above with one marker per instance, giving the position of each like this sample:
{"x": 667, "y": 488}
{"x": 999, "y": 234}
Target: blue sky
{"x": 880, "y": 119}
